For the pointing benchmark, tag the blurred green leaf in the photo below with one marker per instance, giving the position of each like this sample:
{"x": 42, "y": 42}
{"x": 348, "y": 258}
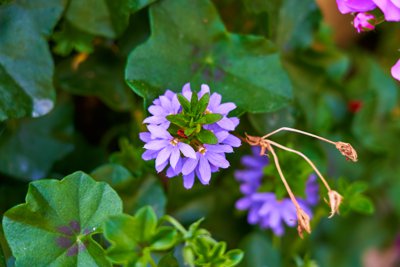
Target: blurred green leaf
{"x": 107, "y": 18}
{"x": 29, "y": 147}
{"x": 70, "y": 39}
{"x": 135, "y": 5}
{"x": 164, "y": 238}
{"x": 114, "y": 174}
{"x": 129, "y": 156}
{"x": 150, "y": 193}
{"x": 362, "y": 204}
{"x": 259, "y": 252}
{"x": 210, "y": 118}
{"x": 168, "y": 261}
{"x": 61, "y": 226}
{"x": 26, "y": 65}
{"x": 204, "y": 52}
{"x": 101, "y": 75}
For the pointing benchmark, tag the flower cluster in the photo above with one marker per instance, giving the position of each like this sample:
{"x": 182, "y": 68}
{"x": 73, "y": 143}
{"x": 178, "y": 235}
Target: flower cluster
{"x": 189, "y": 134}
{"x": 364, "y": 21}
{"x": 264, "y": 208}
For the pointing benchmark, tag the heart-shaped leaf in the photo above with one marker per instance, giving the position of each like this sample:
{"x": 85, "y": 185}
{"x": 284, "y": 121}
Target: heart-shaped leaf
{"x": 246, "y": 70}
{"x": 61, "y": 216}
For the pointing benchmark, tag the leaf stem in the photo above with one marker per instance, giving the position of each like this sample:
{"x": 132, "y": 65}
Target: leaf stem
{"x": 300, "y": 132}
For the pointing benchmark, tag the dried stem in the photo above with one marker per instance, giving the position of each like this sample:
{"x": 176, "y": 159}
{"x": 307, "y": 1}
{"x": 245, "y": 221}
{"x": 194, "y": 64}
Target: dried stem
{"x": 276, "y": 160}
{"x": 306, "y": 159}
{"x": 299, "y": 131}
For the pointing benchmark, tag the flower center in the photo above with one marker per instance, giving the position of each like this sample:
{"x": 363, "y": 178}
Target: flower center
{"x": 174, "y": 142}
{"x": 207, "y": 111}
{"x": 202, "y": 150}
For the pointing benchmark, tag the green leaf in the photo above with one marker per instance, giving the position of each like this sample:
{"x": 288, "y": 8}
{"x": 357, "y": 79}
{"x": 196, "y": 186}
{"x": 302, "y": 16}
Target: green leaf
{"x": 26, "y": 65}
{"x": 207, "y": 137}
{"x": 114, "y": 174}
{"x": 147, "y": 221}
{"x": 168, "y": 261}
{"x": 107, "y": 18}
{"x": 61, "y": 216}
{"x": 259, "y": 251}
{"x": 234, "y": 257}
{"x": 362, "y": 204}
{"x": 203, "y": 104}
{"x": 184, "y": 103}
{"x": 164, "y": 239}
{"x": 99, "y": 75}
{"x": 244, "y": 69}
{"x": 2, "y": 258}
{"x": 179, "y": 120}
{"x": 194, "y": 101}
{"x": 30, "y": 147}
{"x": 122, "y": 231}
{"x": 189, "y": 131}
{"x": 136, "y": 5}
{"x": 210, "y": 118}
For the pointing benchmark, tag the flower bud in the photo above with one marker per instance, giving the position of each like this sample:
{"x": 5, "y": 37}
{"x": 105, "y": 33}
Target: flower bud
{"x": 303, "y": 222}
{"x": 335, "y": 199}
{"x": 364, "y": 22}
{"x": 347, "y": 150}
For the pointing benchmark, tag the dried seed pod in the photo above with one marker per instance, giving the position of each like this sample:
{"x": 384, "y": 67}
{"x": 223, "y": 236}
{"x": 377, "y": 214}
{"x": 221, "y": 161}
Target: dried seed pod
{"x": 347, "y": 150}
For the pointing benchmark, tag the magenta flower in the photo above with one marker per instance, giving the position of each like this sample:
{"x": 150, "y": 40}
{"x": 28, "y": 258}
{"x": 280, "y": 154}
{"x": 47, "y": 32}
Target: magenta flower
{"x": 264, "y": 209}
{"x": 396, "y": 71}
{"x": 363, "y": 22}
{"x": 181, "y": 154}
{"x": 349, "y": 6}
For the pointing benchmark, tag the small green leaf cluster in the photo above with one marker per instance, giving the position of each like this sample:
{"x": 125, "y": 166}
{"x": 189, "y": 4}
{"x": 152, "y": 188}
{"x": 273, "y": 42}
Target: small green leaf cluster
{"x": 201, "y": 249}
{"x": 189, "y": 123}
{"x": 79, "y": 222}
{"x": 354, "y": 198}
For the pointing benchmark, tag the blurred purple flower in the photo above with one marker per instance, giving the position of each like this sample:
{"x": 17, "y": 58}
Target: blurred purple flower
{"x": 396, "y": 70}
{"x": 198, "y": 159}
{"x": 264, "y": 208}
{"x": 364, "y": 22}
{"x": 349, "y": 6}
{"x": 390, "y": 8}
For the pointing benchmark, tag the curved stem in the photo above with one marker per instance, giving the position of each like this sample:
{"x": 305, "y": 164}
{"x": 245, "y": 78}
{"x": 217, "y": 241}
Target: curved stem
{"x": 306, "y": 159}
{"x": 292, "y": 197}
{"x": 298, "y": 131}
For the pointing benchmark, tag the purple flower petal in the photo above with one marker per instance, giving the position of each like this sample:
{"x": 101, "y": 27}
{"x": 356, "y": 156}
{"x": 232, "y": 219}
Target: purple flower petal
{"x": 232, "y": 141}
{"x": 219, "y": 148}
{"x": 159, "y": 132}
{"x": 225, "y": 108}
{"x": 163, "y": 156}
{"x": 205, "y": 89}
{"x": 161, "y": 167}
{"x": 215, "y": 101}
{"x": 188, "y": 180}
{"x": 187, "y": 150}
{"x": 154, "y": 120}
{"x": 204, "y": 170}
{"x": 145, "y": 137}
{"x": 396, "y": 70}
{"x": 391, "y": 11}
{"x": 149, "y": 154}
{"x": 217, "y": 159}
{"x": 175, "y": 156}
{"x": 189, "y": 165}
{"x": 156, "y": 110}
{"x": 226, "y": 123}
{"x": 156, "y": 144}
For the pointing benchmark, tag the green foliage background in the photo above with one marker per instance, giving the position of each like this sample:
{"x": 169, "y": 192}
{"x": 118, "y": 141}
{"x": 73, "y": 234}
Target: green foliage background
{"x": 76, "y": 78}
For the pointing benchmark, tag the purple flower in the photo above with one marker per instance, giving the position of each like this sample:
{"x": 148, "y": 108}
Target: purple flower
{"x": 396, "y": 71}
{"x": 183, "y": 155}
{"x": 165, "y": 148}
{"x": 264, "y": 209}
{"x": 348, "y": 6}
{"x": 269, "y": 212}
{"x": 362, "y": 22}
{"x": 390, "y": 8}
{"x": 163, "y": 106}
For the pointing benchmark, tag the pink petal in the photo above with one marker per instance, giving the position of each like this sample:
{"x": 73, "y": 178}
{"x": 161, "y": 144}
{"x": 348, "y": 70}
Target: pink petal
{"x": 396, "y": 71}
